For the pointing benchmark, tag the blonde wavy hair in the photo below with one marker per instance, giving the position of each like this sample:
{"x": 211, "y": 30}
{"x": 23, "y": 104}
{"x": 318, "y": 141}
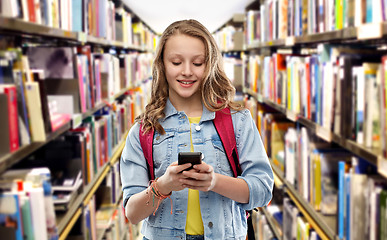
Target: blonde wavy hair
{"x": 217, "y": 91}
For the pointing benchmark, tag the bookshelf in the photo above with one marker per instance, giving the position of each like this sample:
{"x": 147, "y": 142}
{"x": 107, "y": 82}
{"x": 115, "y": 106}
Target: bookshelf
{"x": 277, "y": 231}
{"x": 372, "y": 155}
{"x": 106, "y": 115}
{"x": 285, "y": 41}
{"x": 67, "y": 221}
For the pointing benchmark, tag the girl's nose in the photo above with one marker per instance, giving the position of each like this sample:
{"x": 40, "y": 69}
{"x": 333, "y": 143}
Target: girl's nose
{"x": 187, "y": 70}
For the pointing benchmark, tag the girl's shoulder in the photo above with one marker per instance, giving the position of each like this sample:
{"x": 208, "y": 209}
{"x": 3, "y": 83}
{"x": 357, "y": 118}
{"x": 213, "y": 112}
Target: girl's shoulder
{"x": 134, "y": 130}
{"x": 243, "y": 113}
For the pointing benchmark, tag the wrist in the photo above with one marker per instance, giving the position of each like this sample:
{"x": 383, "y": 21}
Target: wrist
{"x": 162, "y": 187}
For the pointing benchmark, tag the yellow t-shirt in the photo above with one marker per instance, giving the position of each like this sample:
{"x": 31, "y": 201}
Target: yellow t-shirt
{"x": 194, "y": 223}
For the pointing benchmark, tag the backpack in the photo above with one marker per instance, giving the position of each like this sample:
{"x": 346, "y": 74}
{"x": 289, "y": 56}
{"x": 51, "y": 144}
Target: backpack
{"x": 225, "y": 130}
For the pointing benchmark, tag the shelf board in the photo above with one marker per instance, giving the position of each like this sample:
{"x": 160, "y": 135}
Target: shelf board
{"x": 76, "y": 215}
{"x": 346, "y": 34}
{"x": 21, "y": 27}
{"x": 325, "y": 226}
{"x": 10, "y": 159}
{"x": 320, "y": 37}
{"x": 273, "y": 223}
{"x": 277, "y": 180}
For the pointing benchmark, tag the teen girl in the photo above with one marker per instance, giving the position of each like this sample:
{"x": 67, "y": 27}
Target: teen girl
{"x": 189, "y": 86}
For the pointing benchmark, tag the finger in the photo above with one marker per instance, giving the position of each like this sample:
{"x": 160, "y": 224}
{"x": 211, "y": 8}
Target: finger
{"x": 203, "y": 168}
{"x": 192, "y": 174}
{"x": 181, "y": 168}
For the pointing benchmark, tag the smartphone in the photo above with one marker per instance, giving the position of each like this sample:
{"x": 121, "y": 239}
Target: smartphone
{"x": 190, "y": 157}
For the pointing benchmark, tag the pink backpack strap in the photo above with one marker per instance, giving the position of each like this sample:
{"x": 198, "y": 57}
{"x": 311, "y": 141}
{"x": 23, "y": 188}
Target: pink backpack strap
{"x": 225, "y": 129}
{"x": 146, "y": 141}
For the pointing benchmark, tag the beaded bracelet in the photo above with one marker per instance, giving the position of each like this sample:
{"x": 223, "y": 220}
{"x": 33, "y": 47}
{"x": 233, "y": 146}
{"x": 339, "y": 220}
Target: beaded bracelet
{"x": 158, "y": 194}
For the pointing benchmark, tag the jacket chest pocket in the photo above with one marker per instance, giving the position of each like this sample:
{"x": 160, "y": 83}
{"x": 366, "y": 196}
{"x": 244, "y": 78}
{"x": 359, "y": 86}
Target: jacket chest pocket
{"x": 221, "y": 158}
{"x": 162, "y": 149}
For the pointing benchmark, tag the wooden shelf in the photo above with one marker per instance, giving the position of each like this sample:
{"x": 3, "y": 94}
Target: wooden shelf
{"x": 347, "y": 34}
{"x": 273, "y": 223}
{"x": 66, "y": 222}
{"x": 24, "y": 28}
{"x": 10, "y": 159}
{"x": 20, "y": 26}
{"x": 324, "y": 225}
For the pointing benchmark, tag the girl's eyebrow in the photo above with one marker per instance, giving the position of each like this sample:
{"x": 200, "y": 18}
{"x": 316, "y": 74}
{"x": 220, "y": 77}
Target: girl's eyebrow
{"x": 179, "y": 55}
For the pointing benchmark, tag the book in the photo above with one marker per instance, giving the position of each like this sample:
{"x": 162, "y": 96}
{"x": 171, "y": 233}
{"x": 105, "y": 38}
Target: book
{"x": 12, "y": 116}
{"x": 35, "y": 111}
{"x": 290, "y": 214}
{"x": 41, "y": 178}
{"x": 341, "y": 204}
{"x": 329, "y": 178}
{"x": 24, "y": 122}
{"x": 4, "y": 127}
{"x": 38, "y": 76}
{"x": 65, "y": 93}
{"x": 279, "y": 130}
{"x": 357, "y": 202}
{"x": 11, "y": 225}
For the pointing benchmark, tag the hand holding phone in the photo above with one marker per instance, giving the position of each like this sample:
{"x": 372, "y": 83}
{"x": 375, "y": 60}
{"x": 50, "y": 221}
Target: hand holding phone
{"x": 190, "y": 157}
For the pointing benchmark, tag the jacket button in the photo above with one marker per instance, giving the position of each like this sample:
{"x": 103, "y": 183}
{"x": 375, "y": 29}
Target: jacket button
{"x": 210, "y": 224}
{"x": 197, "y": 128}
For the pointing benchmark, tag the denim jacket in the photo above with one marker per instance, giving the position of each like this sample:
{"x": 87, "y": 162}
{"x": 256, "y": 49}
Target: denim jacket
{"x": 222, "y": 217}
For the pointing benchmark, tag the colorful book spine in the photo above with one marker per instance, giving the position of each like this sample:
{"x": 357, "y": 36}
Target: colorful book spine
{"x": 10, "y": 91}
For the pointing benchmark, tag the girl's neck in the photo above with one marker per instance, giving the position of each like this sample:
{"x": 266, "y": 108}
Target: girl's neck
{"x": 191, "y": 108}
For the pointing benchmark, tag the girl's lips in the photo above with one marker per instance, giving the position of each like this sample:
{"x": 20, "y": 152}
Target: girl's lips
{"x": 186, "y": 83}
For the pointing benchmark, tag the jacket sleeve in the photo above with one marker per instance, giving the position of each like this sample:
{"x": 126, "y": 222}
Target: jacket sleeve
{"x": 133, "y": 168}
{"x": 256, "y": 168}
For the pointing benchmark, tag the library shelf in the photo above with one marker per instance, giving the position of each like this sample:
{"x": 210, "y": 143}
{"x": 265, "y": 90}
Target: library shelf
{"x": 364, "y": 32}
{"x": 66, "y": 222}
{"x": 323, "y": 225}
{"x": 101, "y": 232}
{"x": 371, "y": 155}
{"x": 12, "y": 158}
{"x": 278, "y": 181}
{"x": 20, "y": 27}
{"x": 275, "y": 227}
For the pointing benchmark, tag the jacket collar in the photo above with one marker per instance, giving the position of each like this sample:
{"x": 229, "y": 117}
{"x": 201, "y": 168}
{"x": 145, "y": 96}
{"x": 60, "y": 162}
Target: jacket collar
{"x": 170, "y": 110}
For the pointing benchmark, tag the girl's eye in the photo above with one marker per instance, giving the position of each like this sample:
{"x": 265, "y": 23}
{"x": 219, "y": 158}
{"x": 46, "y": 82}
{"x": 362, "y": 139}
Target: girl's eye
{"x": 176, "y": 63}
{"x": 198, "y": 64}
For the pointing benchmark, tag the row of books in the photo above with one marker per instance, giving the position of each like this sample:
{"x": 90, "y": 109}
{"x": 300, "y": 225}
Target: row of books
{"x": 334, "y": 181}
{"x": 46, "y": 87}
{"x": 279, "y": 19}
{"x": 100, "y": 18}
{"x": 295, "y": 225}
{"x": 262, "y": 228}
{"x": 233, "y": 68}
{"x": 230, "y": 38}
{"x": 26, "y": 205}
{"x": 104, "y": 214}
{"x": 70, "y": 163}
{"x": 340, "y": 88}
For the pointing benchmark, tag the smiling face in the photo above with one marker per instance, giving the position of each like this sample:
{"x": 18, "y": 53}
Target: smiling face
{"x": 184, "y": 61}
